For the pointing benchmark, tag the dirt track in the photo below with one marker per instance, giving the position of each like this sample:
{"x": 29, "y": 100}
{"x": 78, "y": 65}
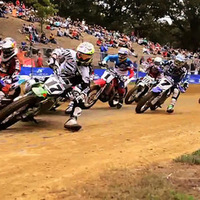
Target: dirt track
{"x": 38, "y": 160}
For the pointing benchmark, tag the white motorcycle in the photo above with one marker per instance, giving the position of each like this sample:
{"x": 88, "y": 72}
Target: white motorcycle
{"x": 141, "y": 88}
{"x": 157, "y": 96}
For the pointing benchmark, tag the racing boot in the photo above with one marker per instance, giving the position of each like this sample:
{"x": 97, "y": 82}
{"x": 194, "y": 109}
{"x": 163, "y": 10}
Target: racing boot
{"x": 170, "y": 108}
{"x": 69, "y": 108}
{"x": 120, "y": 103}
{"x": 72, "y": 125}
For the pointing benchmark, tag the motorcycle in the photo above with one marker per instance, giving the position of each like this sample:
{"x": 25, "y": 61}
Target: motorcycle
{"x": 157, "y": 96}
{"x": 142, "y": 87}
{"x": 41, "y": 96}
{"x": 105, "y": 89}
{"x": 6, "y": 99}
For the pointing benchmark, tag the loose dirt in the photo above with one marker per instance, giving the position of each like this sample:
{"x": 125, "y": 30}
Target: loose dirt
{"x": 37, "y": 159}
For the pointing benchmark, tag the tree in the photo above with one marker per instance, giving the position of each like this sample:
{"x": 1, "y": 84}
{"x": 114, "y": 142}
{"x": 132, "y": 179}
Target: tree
{"x": 44, "y": 9}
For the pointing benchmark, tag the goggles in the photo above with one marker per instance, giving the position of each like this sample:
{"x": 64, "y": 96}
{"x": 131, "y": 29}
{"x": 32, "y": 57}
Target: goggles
{"x": 157, "y": 63}
{"x": 122, "y": 56}
{"x": 83, "y": 57}
{"x": 7, "y": 50}
{"x": 178, "y": 62}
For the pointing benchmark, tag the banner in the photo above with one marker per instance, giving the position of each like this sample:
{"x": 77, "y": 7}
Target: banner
{"x": 46, "y": 71}
{"x": 36, "y": 71}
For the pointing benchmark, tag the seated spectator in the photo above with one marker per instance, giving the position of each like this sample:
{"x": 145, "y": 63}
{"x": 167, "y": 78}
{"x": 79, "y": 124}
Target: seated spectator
{"x": 17, "y": 3}
{"x": 43, "y": 38}
{"x": 99, "y": 42}
{"x": 2, "y": 10}
{"x": 52, "y": 39}
{"x": 75, "y": 34}
{"x": 60, "y": 32}
{"x": 145, "y": 50}
{"x": 113, "y": 43}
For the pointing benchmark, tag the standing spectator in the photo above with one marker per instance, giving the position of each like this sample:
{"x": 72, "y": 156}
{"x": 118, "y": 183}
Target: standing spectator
{"x": 20, "y": 56}
{"x": 103, "y": 51}
{"x": 39, "y": 60}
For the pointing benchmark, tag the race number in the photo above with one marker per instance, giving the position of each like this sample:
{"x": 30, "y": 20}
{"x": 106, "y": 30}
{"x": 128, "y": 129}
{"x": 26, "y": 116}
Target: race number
{"x": 53, "y": 86}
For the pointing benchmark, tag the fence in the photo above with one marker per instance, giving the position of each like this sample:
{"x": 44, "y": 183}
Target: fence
{"x": 30, "y": 67}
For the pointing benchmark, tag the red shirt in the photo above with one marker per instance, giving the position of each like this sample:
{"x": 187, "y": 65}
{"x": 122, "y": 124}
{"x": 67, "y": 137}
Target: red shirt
{"x": 17, "y": 3}
{"x": 39, "y": 62}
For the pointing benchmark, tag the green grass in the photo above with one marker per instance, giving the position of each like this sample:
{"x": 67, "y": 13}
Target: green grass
{"x": 124, "y": 184}
{"x": 193, "y": 158}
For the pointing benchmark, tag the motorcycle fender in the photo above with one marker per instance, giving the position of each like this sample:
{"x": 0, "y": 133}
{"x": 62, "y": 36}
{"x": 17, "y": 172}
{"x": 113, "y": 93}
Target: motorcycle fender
{"x": 141, "y": 84}
{"x": 100, "y": 82}
{"x": 157, "y": 90}
{"x": 39, "y": 91}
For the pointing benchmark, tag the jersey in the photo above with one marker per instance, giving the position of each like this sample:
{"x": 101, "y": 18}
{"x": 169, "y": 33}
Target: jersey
{"x": 68, "y": 68}
{"x": 177, "y": 74}
{"x": 120, "y": 68}
{"x": 10, "y": 68}
{"x": 155, "y": 72}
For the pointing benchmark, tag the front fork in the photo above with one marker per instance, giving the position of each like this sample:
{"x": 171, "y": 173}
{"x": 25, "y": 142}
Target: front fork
{"x": 164, "y": 85}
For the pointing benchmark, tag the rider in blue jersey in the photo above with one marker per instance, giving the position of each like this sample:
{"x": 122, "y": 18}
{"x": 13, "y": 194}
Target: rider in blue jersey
{"x": 178, "y": 71}
{"x": 123, "y": 65}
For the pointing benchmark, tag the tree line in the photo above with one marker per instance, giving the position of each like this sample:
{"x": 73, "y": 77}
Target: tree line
{"x": 140, "y": 16}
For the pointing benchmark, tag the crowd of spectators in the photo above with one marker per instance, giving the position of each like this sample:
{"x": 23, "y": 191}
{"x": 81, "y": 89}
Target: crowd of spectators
{"x": 105, "y": 38}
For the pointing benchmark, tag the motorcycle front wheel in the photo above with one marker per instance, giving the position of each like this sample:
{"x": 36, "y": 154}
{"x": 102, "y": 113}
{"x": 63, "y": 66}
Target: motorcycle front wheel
{"x": 130, "y": 97}
{"x": 91, "y": 100}
{"x": 145, "y": 102}
{"x": 12, "y": 113}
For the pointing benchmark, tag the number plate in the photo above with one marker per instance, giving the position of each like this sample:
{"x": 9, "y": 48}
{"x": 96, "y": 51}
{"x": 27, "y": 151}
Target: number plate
{"x": 107, "y": 76}
{"x": 54, "y": 86}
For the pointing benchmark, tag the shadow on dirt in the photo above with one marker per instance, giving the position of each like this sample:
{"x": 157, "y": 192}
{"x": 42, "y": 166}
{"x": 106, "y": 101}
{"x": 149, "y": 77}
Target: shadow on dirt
{"x": 32, "y": 127}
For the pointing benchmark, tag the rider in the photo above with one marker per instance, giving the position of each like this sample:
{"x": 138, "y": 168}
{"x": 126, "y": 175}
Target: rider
{"x": 9, "y": 67}
{"x": 74, "y": 66}
{"x": 122, "y": 65}
{"x": 178, "y": 72}
{"x": 155, "y": 69}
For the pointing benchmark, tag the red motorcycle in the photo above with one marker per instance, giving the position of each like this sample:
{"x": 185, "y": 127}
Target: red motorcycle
{"x": 105, "y": 89}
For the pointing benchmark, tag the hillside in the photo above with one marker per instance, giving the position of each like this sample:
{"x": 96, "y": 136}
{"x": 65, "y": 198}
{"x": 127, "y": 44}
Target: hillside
{"x": 10, "y": 28}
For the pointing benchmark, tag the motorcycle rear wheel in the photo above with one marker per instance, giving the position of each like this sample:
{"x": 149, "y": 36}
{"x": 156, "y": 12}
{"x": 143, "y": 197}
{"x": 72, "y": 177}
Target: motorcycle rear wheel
{"x": 11, "y": 114}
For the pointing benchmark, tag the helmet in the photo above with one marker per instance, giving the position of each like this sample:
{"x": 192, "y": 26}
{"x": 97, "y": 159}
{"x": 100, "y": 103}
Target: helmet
{"x": 85, "y": 52}
{"x": 179, "y": 60}
{"x": 123, "y": 54}
{"x": 8, "y": 47}
{"x": 158, "y": 61}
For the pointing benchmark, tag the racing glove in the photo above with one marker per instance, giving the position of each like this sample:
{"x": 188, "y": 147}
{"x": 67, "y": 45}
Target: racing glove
{"x": 6, "y": 88}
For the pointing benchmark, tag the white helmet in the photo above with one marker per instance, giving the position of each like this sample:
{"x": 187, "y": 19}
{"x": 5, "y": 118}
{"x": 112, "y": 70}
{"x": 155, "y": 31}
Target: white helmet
{"x": 123, "y": 54}
{"x": 179, "y": 60}
{"x": 9, "y": 49}
{"x": 85, "y": 53}
{"x": 158, "y": 61}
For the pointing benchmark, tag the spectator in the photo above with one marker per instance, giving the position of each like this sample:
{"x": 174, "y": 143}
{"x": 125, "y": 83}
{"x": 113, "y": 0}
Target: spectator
{"x": 17, "y": 3}
{"x": 103, "y": 51}
{"x": 20, "y": 56}
{"x": 52, "y": 39}
{"x": 43, "y": 38}
{"x": 59, "y": 32}
{"x": 39, "y": 62}
{"x": 75, "y": 34}
{"x": 99, "y": 42}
